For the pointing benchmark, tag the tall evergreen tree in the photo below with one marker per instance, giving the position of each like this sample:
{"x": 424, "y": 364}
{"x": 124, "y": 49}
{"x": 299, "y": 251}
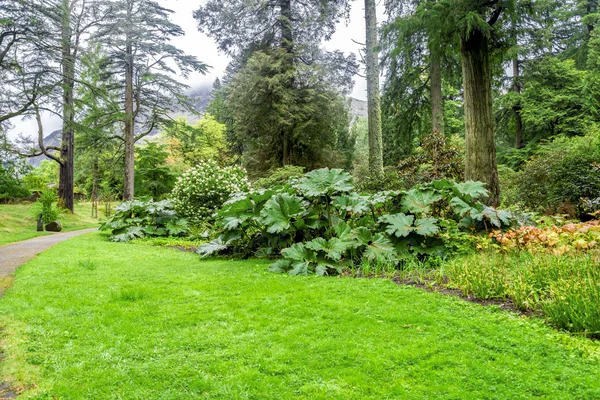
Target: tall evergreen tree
{"x": 137, "y": 35}
{"x": 288, "y": 33}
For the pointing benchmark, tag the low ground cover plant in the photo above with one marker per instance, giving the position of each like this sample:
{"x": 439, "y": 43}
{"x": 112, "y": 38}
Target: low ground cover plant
{"x": 558, "y": 240}
{"x": 319, "y": 224}
{"x": 145, "y": 218}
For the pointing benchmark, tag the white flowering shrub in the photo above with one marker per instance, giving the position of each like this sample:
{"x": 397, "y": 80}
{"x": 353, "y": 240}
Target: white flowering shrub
{"x": 202, "y": 190}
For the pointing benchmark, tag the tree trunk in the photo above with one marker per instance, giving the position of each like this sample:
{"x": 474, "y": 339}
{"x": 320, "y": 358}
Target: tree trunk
{"x": 517, "y": 108}
{"x": 65, "y": 186}
{"x": 480, "y": 157}
{"x": 129, "y": 135}
{"x": 373, "y": 100}
{"x": 435, "y": 78}
{"x": 287, "y": 44}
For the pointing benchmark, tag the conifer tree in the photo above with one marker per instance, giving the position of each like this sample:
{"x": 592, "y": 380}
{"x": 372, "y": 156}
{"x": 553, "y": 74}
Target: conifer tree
{"x": 137, "y": 36}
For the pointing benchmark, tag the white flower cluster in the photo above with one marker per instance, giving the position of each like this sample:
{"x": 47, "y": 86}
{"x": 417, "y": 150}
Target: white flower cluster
{"x": 202, "y": 190}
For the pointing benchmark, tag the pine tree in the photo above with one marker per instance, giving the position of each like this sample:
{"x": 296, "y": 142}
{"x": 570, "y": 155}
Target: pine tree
{"x": 137, "y": 36}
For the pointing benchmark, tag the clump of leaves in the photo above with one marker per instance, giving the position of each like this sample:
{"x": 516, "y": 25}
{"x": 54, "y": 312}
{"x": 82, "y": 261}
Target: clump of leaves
{"x": 46, "y": 206}
{"x": 145, "y": 218}
{"x": 436, "y": 158}
{"x": 558, "y": 240}
{"x": 320, "y": 225}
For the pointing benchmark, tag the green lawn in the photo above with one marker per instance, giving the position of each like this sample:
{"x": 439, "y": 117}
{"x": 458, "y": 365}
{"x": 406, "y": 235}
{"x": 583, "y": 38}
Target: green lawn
{"x": 18, "y": 222}
{"x": 90, "y": 319}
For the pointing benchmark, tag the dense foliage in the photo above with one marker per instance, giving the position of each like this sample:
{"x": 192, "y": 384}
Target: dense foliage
{"x": 202, "y": 190}
{"x": 144, "y": 218}
{"x": 320, "y": 224}
{"x": 45, "y": 208}
{"x": 561, "y": 177}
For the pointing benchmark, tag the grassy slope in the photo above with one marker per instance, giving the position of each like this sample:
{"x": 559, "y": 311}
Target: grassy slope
{"x": 92, "y": 319}
{"x": 17, "y": 221}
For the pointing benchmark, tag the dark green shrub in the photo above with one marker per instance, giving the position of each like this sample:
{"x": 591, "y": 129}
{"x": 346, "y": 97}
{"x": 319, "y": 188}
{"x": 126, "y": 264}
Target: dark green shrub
{"x": 438, "y": 157}
{"x": 389, "y": 180}
{"x": 11, "y": 185}
{"x": 279, "y": 176}
{"x": 45, "y": 206}
{"x": 321, "y": 225}
{"x": 142, "y": 218}
{"x": 559, "y": 178}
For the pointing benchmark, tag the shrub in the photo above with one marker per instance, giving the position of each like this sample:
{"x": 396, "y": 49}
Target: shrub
{"x": 562, "y": 177}
{"x": 142, "y": 218}
{"x": 320, "y": 225}
{"x": 202, "y": 190}
{"x": 438, "y": 157}
{"x": 45, "y": 206}
{"x": 279, "y": 176}
{"x": 389, "y": 180}
{"x": 11, "y": 184}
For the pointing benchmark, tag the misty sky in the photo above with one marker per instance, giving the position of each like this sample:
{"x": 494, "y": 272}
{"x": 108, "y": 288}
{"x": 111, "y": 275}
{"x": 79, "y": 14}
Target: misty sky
{"x": 204, "y": 48}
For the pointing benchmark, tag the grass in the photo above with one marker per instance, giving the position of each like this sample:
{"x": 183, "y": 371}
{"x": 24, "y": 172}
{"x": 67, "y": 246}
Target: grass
{"x": 91, "y": 319}
{"x": 18, "y": 222}
{"x": 565, "y": 289}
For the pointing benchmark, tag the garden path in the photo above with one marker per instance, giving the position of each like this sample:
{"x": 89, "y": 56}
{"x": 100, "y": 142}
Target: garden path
{"x": 13, "y": 255}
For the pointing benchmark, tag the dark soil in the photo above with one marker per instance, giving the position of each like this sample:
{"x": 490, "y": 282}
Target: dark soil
{"x": 506, "y": 304}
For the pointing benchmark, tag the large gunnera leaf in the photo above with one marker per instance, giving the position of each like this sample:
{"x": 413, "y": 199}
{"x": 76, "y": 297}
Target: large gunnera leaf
{"x": 281, "y": 211}
{"x": 399, "y": 225}
{"x": 471, "y": 189}
{"x": 418, "y": 201}
{"x": 325, "y": 182}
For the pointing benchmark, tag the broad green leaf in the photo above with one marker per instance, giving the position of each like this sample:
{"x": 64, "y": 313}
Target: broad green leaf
{"x": 380, "y": 249}
{"x": 460, "y": 207}
{"x": 281, "y": 211}
{"x": 419, "y": 201}
{"x": 211, "y": 248}
{"x": 298, "y": 252}
{"x": 325, "y": 182}
{"x": 376, "y": 247}
{"x": 333, "y": 248}
{"x": 472, "y": 189}
{"x": 300, "y": 268}
{"x": 354, "y": 204}
{"x": 399, "y": 225}
{"x": 426, "y": 226}
{"x": 280, "y": 266}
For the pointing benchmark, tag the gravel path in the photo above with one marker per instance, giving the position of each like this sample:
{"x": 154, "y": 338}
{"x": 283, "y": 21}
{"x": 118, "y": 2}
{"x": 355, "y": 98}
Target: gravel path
{"x": 12, "y": 256}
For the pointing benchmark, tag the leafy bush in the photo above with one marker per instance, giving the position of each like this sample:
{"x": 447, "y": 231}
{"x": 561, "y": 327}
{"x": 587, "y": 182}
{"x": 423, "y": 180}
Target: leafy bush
{"x": 389, "y": 180}
{"x": 563, "y": 177}
{"x": 279, "y": 176}
{"x": 11, "y": 185}
{"x": 45, "y": 206}
{"x": 142, "y": 218}
{"x": 320, "y": 225}
{"x": 202, "y": 190}
{"x": 437, "y": 158}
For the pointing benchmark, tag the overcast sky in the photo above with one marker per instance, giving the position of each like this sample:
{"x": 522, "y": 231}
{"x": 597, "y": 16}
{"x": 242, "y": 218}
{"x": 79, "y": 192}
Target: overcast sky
{"x": 205, "y": 49}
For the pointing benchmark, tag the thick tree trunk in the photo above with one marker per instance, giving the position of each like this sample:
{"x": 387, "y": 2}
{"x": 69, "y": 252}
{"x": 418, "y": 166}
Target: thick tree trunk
{"x": 66, "y": 174}
{"x": 287, "y": 44}
{"x": 480, "y": 157}
{"x": 517, "y": 108}
{"x": 373, "y": 100}
{"x": 435, "y": 78}
{"x": 129, "y": 134}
